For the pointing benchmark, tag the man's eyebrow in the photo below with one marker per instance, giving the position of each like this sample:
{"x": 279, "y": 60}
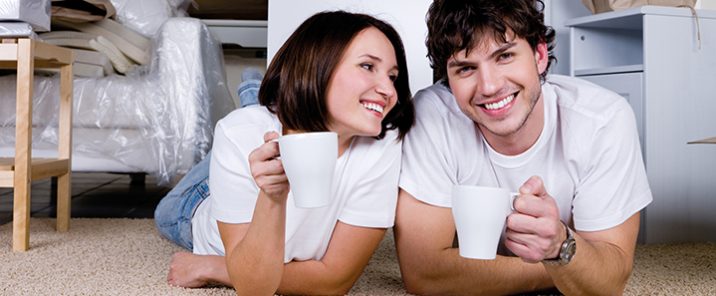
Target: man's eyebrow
{"x": 459, "y": 64}
{"x": 504, "y": 47}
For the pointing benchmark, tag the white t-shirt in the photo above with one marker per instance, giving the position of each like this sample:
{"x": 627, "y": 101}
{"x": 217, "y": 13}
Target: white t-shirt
{"x": 365, "y": 187}
{"x": 588, "y": 154}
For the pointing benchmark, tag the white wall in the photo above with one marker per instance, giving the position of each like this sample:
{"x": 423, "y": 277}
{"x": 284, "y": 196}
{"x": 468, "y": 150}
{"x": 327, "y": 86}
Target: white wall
{"x": 407, "y": 16}
{"x": 706, "y": 4}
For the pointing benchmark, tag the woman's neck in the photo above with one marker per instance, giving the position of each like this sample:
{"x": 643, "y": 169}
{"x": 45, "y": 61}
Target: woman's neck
{"x": 344, "y": 142}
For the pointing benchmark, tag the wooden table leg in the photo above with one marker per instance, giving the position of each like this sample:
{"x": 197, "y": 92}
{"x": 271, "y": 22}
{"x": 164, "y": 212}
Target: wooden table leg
{"x": 23, "y": 150}
{"x": 64, "y": 135}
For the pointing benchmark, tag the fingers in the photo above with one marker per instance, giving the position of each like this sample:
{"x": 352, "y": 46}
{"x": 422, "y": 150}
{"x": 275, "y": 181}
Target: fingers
{"x": 270, "y": 136}
{"x": 534, "y": 230}
{"x": 268, "y": 150}
{"x": 535, "y": 206}
{"x": 533, "y": 238}
{"x": 534, "y": 200}
{"x": 534, "y": 186}
{"x": 266, "y": 169}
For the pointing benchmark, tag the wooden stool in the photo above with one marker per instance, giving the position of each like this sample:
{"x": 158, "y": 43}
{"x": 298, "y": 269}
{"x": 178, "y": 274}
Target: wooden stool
{"x": 25, "y": 55}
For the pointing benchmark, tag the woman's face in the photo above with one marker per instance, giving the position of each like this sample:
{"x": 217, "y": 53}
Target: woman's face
{"x": 361, "y": 92}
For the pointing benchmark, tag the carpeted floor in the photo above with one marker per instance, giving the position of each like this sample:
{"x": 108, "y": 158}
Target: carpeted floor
{"x": 127, "y": 257}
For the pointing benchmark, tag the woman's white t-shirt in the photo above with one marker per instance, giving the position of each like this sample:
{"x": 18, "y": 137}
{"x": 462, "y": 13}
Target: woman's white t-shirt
{"x": 365, "y": 188}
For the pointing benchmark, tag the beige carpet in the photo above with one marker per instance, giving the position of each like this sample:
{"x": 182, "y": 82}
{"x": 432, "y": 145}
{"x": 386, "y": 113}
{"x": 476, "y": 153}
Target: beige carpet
{"x": 127, "y": 257}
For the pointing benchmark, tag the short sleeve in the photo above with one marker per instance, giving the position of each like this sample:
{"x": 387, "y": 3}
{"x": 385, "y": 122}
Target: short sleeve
{"x": 232, "y": 186}
{"x": 428, "y": 170}
{"x": 374, "y": 194}
{"x": 614, "y": 186}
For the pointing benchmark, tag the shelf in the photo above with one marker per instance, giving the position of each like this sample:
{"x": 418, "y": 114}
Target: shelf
{"x": 247, "y": 34}
{"x": 610, "y": 70}
{"x": 40, "y": 167}
{"x": 631, "y": 18}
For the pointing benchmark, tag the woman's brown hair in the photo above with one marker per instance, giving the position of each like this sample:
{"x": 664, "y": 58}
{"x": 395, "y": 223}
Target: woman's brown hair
{"x": 296, "y": 82}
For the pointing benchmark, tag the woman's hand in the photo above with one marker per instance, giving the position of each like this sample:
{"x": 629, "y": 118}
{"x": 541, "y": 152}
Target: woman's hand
{"x": 267, "y": 169}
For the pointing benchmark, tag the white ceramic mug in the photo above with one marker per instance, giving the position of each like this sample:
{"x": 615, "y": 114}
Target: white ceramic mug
{"x": 309, "y": 160}
{"x": 480, "y": 214}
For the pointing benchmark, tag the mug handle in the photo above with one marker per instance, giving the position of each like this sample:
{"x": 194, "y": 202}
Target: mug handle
{"x": 513, "y": 196}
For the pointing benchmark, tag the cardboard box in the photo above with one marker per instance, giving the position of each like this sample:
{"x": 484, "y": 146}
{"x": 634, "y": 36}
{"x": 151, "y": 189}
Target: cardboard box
{"x": 33, "y": 12}
{"x": 599, "y": 6}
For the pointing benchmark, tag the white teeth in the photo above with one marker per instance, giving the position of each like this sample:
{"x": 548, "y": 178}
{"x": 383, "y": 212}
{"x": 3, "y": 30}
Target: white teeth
{"x": 374, "y": 107}
{"x": 500, "y": 104}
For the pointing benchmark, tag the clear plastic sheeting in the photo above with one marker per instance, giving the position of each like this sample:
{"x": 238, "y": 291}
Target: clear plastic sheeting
{"x": 157, "y": 119}
{"x": 33, "y": 12}
{"x": 16, "y": 29}
{"x": 146, "y": 16}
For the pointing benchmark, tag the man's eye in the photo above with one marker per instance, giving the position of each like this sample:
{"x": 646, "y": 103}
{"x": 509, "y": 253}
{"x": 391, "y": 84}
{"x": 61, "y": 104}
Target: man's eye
{"x": 506, "y": 56}
{"x": 465, "y": 69}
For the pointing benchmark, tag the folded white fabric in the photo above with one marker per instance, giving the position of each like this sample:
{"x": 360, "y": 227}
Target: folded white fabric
{"x": 89, "y": 41}
{"x": 133, "y": 45}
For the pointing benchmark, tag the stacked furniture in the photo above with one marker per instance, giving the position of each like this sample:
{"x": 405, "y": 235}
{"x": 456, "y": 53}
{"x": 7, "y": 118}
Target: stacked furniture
{"x": 158, "y": 119}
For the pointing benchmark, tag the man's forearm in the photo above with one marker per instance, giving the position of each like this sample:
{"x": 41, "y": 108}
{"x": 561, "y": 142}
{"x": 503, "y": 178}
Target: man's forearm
{"x": 450, "y": 274}
{"x": 598, "y": 268}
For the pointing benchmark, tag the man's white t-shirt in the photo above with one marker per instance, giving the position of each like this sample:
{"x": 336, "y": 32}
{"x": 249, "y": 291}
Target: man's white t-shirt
{"x": 588, "y": 154}
{"x": 365, "y": 188}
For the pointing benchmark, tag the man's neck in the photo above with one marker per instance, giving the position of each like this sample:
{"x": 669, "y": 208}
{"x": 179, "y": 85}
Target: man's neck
{"x": 522, "y": 139}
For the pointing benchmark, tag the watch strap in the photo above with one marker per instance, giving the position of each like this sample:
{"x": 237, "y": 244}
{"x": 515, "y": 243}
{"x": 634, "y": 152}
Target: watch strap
{"x": 566, "y": 250}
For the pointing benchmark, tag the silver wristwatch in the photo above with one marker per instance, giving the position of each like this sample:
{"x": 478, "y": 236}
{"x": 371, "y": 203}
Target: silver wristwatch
{"x": 566, "y": 251}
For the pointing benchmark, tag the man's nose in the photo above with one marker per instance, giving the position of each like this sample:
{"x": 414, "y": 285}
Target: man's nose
{"x": 490, "y": 81}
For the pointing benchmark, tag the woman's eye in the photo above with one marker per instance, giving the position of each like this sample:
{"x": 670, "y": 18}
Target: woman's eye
{"x": 367, "y": 66}
{"x": 393, "y": 77}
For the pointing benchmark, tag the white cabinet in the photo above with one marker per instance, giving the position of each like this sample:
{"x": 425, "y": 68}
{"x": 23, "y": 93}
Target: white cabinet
{"x": 652, "y": 56}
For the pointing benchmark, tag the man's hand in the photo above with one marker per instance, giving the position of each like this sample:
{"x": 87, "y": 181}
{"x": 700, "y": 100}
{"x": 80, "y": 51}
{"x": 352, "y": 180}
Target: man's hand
{"x": 534, "y": 230}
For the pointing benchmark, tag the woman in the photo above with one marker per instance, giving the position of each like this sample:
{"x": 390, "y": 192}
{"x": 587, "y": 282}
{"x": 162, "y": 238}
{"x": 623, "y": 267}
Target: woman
{"x": 339, "y": 72}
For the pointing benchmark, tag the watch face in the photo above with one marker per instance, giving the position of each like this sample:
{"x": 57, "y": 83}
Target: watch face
{"x": 568, "y": 251}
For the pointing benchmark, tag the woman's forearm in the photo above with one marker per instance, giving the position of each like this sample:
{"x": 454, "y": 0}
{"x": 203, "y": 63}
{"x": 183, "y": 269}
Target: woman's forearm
{"x": 256, "y": 265}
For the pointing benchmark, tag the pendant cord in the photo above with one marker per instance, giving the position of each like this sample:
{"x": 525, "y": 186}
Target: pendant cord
{"x": 492, "y": 165}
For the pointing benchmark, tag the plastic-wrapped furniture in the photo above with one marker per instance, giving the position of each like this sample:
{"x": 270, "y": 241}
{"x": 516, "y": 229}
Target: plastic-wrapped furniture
{"x": 157, "y": 119}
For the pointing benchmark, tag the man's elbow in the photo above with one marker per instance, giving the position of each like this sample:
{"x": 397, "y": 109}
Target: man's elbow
{"x": 415, "y": 279}
{"x": 416, "y": 286}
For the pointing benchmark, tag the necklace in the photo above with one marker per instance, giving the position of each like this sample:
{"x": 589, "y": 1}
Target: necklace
{"x": 489, "y": 160}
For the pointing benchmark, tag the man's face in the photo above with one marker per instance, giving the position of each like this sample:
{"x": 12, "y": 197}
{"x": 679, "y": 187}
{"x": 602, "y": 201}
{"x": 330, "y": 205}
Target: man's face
{"x": 497, "y": 84}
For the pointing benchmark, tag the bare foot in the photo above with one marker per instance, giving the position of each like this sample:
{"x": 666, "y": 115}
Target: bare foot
{"x": 193, "y": 271}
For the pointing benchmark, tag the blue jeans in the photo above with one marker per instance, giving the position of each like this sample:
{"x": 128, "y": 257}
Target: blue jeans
{"x": 174, "y": 212}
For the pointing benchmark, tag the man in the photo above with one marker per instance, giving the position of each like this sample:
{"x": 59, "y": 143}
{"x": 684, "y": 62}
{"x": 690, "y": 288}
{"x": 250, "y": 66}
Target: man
{"x": 568, "y": 147}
